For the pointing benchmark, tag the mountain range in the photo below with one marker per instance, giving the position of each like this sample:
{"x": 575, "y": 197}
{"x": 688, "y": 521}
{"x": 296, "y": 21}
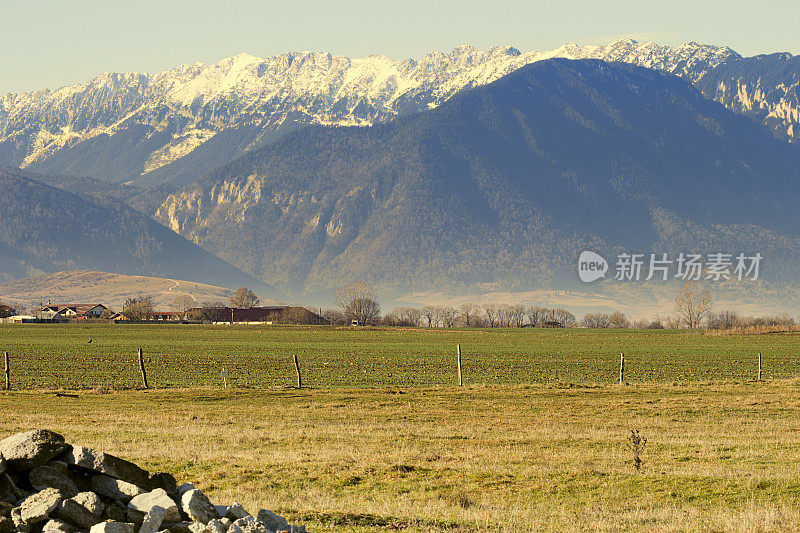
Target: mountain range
{"x": 503, "y": 183}
{"x": 174, "y": 126}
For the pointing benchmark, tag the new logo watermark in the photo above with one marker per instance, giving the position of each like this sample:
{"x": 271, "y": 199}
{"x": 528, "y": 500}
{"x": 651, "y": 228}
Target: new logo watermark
{"x": 591, "y": 266}
{"x": 716, "y": 266}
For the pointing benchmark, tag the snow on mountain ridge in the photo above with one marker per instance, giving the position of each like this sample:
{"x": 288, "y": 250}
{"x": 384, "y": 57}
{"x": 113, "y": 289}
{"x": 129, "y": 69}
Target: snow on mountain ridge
{"x": 192, "y": 103}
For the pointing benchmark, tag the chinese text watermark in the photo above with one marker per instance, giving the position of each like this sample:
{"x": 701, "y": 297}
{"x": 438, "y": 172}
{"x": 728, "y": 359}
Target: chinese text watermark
{"x": 716, "y": 266}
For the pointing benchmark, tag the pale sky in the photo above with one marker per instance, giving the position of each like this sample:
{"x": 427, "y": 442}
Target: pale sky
{"x": 50, "y": 43}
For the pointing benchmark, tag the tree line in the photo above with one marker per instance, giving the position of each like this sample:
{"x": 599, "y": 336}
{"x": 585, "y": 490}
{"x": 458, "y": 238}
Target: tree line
{"x": 358, "y": 303}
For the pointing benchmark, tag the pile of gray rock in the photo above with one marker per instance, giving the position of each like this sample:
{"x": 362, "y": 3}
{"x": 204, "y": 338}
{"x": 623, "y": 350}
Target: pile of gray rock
{"x": 49, "y": 486}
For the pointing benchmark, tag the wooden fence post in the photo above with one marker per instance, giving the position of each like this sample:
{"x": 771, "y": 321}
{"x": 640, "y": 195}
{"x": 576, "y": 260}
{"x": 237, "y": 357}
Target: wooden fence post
{"x": 622, "y": 368}
{"x": 297, "y": 369}
{"x": 759, "y": 366}
{"x": 141, "y": 367}
{"x": 460, "y": 380}
{"x": 8, "y": 371}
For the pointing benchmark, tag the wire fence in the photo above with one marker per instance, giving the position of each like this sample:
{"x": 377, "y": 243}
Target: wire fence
{"x": 463, "y": 365}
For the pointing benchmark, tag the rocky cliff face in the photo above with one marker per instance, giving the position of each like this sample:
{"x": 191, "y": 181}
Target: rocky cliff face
{"x": 766, "y": 88}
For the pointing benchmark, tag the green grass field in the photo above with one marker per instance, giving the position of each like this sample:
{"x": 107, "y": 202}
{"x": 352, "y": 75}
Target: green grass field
{"x": 384, "y": 440}
{"x": 61, "y": 356}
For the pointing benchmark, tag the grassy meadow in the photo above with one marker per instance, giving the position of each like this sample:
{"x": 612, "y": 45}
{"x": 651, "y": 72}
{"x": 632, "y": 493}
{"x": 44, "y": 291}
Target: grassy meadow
{"x": 382, "y": 439}
{"x": 75, "y": 356}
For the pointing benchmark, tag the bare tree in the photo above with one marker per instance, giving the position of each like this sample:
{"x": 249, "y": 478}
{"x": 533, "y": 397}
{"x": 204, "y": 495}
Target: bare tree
{"x": 429, "y": 313}
{"x": 692, "y": 304}
{"x": 536, "y": 316}
{"x": 183, "y": 302}
{"x": 335, "y": 317}
{"x": 6, "y": 310}
{"x": 596, "y": 320}
{"x": 359, "y": 303}
{"x": 402, "y": 316}
{"x": 564, "y": 317}
{"x": 448, "y": 316}
{"x": 618, "y": 320}
{"x": 244, "y": 298}
{"x": 468, "y": 312}
{"x": 138, "y": 308}
{"x": 504, "y": 315}
{"x": 412, "y": 315}
{"x": 723, "y": 320}
{"x": 437, "y": 315}
{"x": 491, "y": 311}
{"x": 517, "y": 313}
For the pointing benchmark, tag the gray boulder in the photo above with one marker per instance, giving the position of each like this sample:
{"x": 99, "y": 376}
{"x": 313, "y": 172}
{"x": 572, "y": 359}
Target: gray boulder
{"x": 235, "y": 512}
{"x": 248, "y": 524}
{"x": 52, "y": 476}
{"x": 198, "y": 507}
{"x": 5, "y": 509}
{"x": 180, "y": 527}
{"x": 84, "y": 510}
{"x": 197, "y": 527}
{"x": 142, "y": 504}
{"x": 28, "y": 450}
{"x": 16, "y": 517}
{"x": 109, "y": 465}
{"x": 162, "y": 480}
{"x": 153, "y": 520}
{"x": 57, "y": 526}
{"x": 17, "y": 523}
{"x": 110, "y": 526}
{"x": 186, "y": 487}
{"x": 37, "y": 507}
{"x": 116, "y": 512}
{"x": 9, "y": 491}
{"x": 113, "y": 488}
{"x": 217, "y": 526}
{"x": 273, "y": 521}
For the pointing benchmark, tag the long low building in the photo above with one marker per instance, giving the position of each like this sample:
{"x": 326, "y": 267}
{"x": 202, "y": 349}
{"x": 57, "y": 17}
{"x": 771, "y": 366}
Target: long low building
{"x": 274, "y": 314}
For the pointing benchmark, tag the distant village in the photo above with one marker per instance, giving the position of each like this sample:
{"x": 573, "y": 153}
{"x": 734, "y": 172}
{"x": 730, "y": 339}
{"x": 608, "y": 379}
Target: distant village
{"x": 99, "y": 313}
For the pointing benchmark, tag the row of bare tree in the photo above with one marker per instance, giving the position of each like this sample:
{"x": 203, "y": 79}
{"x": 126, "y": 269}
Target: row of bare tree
{"x": 358, "y": 304}
{"x": 491, "y": 315}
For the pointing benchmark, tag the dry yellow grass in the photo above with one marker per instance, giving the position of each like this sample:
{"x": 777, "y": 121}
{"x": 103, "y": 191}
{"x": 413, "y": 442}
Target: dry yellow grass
{"x": 720, "y": 457}
{"x": 755, "y": 330}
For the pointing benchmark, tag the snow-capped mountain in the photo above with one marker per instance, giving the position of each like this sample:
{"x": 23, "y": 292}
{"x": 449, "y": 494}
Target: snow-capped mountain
{"x": 176, "y": 125}
{"x": 503, "y": 184}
